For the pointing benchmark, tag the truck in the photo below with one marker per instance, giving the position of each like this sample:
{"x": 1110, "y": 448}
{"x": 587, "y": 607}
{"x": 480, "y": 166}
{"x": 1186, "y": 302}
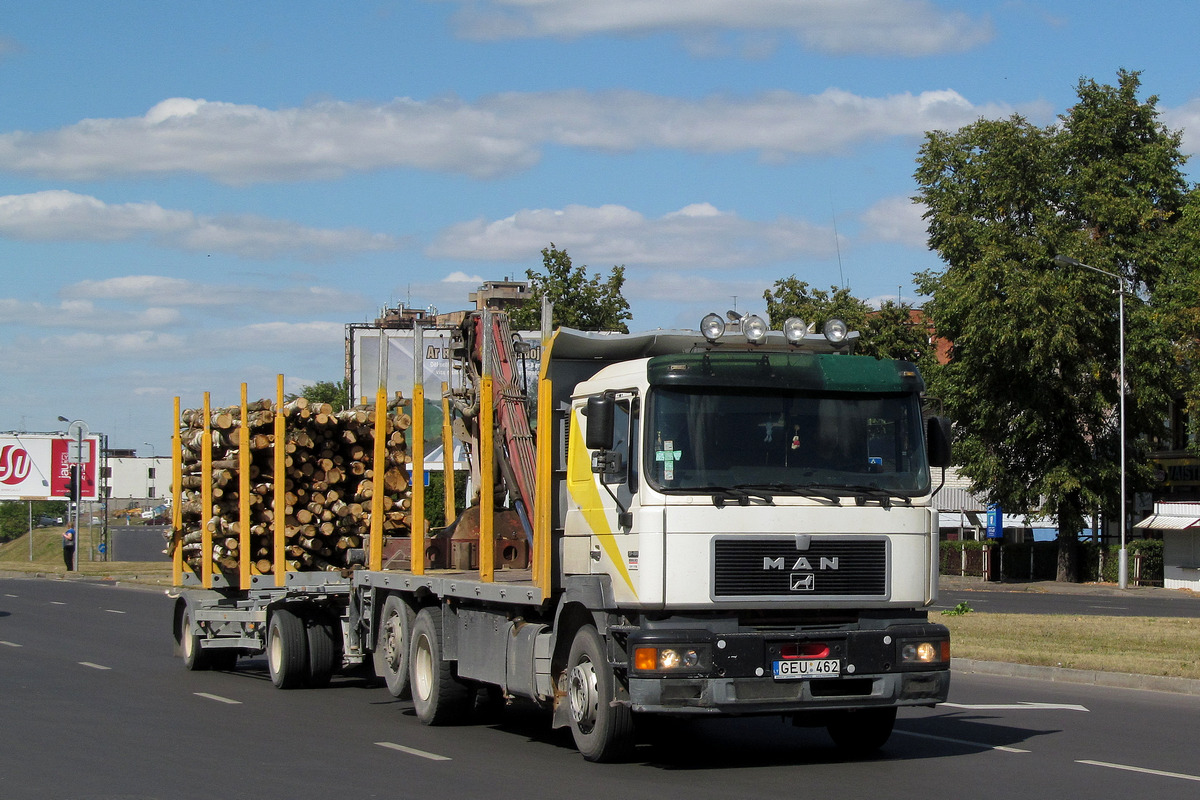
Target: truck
{"x": 724, "y": 521}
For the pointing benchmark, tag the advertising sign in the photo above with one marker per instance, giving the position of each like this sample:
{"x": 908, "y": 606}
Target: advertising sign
{"x": 995, "y": 522}
{"x": 38, "y": 467}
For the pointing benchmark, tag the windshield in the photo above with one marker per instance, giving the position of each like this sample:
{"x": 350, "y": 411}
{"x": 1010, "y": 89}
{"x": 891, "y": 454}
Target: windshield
{"x": 709, "y": 438}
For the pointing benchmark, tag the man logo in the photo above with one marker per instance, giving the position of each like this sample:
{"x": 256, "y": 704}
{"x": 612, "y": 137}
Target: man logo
{"x": 802, "y": 562}
{"x": 803, "y": 582}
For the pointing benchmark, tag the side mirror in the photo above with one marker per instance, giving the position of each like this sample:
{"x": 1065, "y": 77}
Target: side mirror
{"x": 938, "y": 436}
{"x": 599, "y": 413}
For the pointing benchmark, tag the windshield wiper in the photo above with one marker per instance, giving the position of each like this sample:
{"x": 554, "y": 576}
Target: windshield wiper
{"x": 742, "y": 494}
{"x": 799, "y": 490}
{"x": 862, "y": 493}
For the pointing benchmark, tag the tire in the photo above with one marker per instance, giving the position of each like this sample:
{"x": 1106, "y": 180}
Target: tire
{"x": 194, "y": 657}
{"x": 392, "y": 645}
{"x": 602, "y": 731}
{"x": 287, "y": 650}
{"x": 861, "y": 732}
{"x": 197, "y": 658}
{"x": 438, "y": 696}
{"x": 323, "y": 649}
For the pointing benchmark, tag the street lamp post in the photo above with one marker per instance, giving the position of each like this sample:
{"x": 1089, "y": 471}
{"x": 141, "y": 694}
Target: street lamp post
{"x": 1123, "y": 558}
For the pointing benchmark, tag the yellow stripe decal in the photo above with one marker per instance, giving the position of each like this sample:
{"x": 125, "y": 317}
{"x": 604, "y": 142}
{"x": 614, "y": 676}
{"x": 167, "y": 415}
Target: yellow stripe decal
{"x": 586, "y": 495}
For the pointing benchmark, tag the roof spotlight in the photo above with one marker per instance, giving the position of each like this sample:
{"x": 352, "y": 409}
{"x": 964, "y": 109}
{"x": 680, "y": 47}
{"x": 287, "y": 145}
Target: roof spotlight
{"x": 755, "y": 329}
{"x": 835, "y": 331}
{"x": 794, "y": 330}
{"x": 712, "y": 326}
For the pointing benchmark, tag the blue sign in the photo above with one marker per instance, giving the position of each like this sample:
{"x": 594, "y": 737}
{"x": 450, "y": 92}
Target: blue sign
{"x": 995, "y": 522}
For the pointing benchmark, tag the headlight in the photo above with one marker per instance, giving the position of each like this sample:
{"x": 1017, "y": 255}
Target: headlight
{"x": 669, "y": 659}
{"x": 712, "y": 326}
{"x": 835, "y": 331}
{"x": 755, "y": 329}
{"x": 916, "y": 652}
{"x": 794, "y": 330}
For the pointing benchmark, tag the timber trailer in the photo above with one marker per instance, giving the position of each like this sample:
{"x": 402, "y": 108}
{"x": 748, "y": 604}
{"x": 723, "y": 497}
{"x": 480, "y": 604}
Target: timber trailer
{"x": 730, "y": 521}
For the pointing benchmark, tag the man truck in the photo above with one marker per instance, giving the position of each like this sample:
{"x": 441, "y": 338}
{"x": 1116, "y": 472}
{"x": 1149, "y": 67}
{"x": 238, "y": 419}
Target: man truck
{"x": 730, "y": 521}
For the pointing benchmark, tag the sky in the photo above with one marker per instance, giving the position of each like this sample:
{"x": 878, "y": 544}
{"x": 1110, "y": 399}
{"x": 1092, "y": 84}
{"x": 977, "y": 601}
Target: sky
{"x": 195, "y": 196}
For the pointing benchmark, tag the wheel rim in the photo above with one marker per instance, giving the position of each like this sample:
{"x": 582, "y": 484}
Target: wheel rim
{"x": 422, "y": 668}
{"x": 584, "y": 693}
{"x": 186, "y": 642}
{"x": 392, "y": 643}
{"x": 274, "y": 654}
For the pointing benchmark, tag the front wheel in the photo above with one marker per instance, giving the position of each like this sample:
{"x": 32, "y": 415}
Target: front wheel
{"x": 603, "y": 730}
{"x": 863, "y": 731}
{"x": 438, "y": 696}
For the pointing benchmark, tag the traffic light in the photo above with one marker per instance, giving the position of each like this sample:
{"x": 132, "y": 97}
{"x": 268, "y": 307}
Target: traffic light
{"x": 73, "y": 481}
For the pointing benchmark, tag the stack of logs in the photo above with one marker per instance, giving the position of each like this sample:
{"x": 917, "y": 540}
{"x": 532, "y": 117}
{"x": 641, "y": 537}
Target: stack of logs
{"x": 328, "y": 486}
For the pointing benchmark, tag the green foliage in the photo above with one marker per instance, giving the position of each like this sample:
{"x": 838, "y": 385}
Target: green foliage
{"x": 14, "y": 515}
{"x": 1032, "y": 381}
{"x": 336, "y": 394}
{"x": 435, "y": 497}
{"x": 958, "y": 610}
{"x": 587, "y": 304}
{"x": 791, "y": 297}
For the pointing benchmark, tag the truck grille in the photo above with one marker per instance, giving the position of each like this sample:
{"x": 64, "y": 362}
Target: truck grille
{"x": 838, "y": 566}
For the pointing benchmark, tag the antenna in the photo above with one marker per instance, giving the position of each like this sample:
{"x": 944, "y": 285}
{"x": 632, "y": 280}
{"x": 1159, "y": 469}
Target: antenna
{"x": 838, "y": 246}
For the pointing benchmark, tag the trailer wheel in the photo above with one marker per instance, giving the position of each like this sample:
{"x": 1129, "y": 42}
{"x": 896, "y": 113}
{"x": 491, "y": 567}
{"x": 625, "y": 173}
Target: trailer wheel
{"x": 194, "y": 657}
{"x": 602, "y": 731}
{"x": 438, "y": 696}
{"x": 861, "y": 732}
{"x": 287, "y": 650}
{"x": 322, "y": 649}
{"x": 391, "y": 653}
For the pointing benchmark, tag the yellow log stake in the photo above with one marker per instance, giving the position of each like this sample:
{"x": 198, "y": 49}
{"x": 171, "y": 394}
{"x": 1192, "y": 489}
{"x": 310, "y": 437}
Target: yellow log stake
{"x": 177, "y": 501}
{"x": 418, "y": 470}
{"x": 487, "y": 472}
{"x": 279, "y": 511}
{"x": 244, "y": 496}
{"x": 206, "y": 498}
{"x": 378, "y": 465}
{"x": 447, "y": 456}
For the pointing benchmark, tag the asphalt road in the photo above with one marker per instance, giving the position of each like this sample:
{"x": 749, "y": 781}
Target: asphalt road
{"x": 1074, "y": 599}
{"x": 94, "y": 706}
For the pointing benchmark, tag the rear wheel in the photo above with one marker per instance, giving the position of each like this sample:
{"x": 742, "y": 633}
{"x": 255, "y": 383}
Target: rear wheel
{"x": 194, "y": 657}
{"x": 287, "y": 650}
{"x": 392, "y": 645}
{"x": 863, "y": 731}
{"x": 438, "y": 696}
{"x": 322, "y": 649}
{"x": 602, "y": 731}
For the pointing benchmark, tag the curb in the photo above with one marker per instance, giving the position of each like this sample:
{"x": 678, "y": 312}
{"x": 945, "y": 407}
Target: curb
{"x": 1089, "y": 677}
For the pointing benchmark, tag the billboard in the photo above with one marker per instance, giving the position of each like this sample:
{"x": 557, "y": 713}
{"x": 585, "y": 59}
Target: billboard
{"x": 35, "y": 466}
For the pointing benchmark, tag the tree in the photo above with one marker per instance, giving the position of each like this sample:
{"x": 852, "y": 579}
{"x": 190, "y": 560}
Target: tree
{"x": 587, "y": 304}
{"x": 336, "y": 394}
{"x": 887, "y": 333}
{"x": 1032, "y": 380}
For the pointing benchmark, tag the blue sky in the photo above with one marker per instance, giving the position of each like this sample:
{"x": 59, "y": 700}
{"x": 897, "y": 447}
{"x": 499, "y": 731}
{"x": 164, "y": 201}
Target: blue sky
{"x": 193, "y": 196}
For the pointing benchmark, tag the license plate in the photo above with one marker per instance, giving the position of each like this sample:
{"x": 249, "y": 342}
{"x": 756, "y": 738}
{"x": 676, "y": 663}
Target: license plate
{"x": 808, "y": 668}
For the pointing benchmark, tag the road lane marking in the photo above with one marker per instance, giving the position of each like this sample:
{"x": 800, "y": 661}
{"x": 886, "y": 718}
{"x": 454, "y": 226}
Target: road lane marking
{"x": 1014, "y": 706}
{"x": 10, "y": 644}
{"x": 57, "y": 603}
{"x": 113, "y": 611}
{"x": 218, "y": 698}
{"x": 93, "y": 666}
{"x": 412, "y": 751}
{"x": 12, "y": 595}
{"x": 1142, "y": 770}
{"x": 963, "y": 742}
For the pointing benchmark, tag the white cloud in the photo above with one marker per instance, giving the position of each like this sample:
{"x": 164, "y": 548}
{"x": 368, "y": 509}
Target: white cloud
{"x": 63, "y": 215}
{"x": 282, "y": 335}
{"x": 499, "y": 134}
{"x": 868, "y": 27}
{"x": 1187, "y": 118}
{"x": 895, "y": 219}
{"x": 161, "y": 291}
{"x": 698, "y": 236}
{"x": 83, "y": 314}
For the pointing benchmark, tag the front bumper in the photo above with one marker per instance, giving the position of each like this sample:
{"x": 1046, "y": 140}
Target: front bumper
{"x": 737, "y": 676}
